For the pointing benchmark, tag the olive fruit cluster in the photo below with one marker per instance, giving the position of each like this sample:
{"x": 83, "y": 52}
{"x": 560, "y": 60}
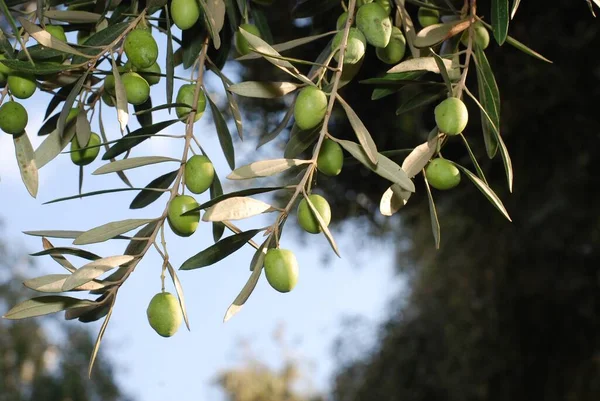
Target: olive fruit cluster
{"x": 198, "y": 175}
{"x": 140, "y": 71}
{"x": 373, "y": 26}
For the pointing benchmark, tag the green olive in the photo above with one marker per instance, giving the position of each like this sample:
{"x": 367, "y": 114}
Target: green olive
{"x": 374, "y": 22}
{"x": 310, "y": 107}
{"x": 441, "y": 174}
{"x": 164, "y": 314}
{"x": 185, "y": 95}
{"x": 185, "y": 13}
{"x": 136, "y": 88}
{"x": 281, "y": 269}
{"x": 141, "y": 48}
{"x": 199, "y": 174}
{"x": 331, "y": 158}
{"x": 184, "y": 226}
{"x": 88, "y": 154}
{"x": 13, "y": 118}
{"x": 451, "y": 116}
{"x": 306, "y": 218}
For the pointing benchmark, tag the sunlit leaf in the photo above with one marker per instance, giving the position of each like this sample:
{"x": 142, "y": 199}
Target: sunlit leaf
{"x": 263, "y": 90}
{"x": 437, "y": 33}
{"x": 26, "y": 161}
{"x": 134, "y": 162}
{"x": 393, "y": 199}
{"x": 419, "y": 64}
{"x": 323, "y": 226}
{"x": 108, "y": 231}
{"x": 418, "y": 158}
{"x": 81, "y": 253}
{"x": 385, "y": 167}
{"x": 94, "y": 270}
{"x": 244, "y": 192}
{"x": 363, "y": 135}
{"x": 135, "y": 138}
{"x": 235, "y": 208}
{"x": 53, "y": 283}
{"x": 265, "y": 168}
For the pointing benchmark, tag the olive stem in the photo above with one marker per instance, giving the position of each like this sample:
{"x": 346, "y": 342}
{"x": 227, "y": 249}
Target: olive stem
{"x": 332, "y": 98}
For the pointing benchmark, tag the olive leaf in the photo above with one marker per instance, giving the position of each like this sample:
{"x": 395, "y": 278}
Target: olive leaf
{"x": 256, "y": 266}
{"x": 219, "y": 251}
{"x": 435, "y": 223}
{"x": 500, "y": 20}
{"x": 131, "y": 163}
{"x": 26, "y": 161}
{"x": 236, "y": 208}
{"x": 265, "y": 168}
{"x": 45, "y": 305}
{"x": 419, "y": 64}
{"x": 149, "y": 194}
{"x": 53, "y": 283}
{"x": 109, "y": 231}
{"x": 393, "y": 199}
{"x": 223, "y": 133}
{"x": 437, "y": 33}
{"x": 94, "y": 270}
{"x": 263, "y": 90}
{"x": 385, "y": 167}
{"x": 323, "y": 226}
{"x": 44, "y": 38}
{"x": 280, "y": 47}
{"x": 363, "y": 135}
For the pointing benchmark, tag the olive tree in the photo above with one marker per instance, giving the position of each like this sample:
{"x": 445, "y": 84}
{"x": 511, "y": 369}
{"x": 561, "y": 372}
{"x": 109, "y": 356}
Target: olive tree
{"x": 426, "y": 49}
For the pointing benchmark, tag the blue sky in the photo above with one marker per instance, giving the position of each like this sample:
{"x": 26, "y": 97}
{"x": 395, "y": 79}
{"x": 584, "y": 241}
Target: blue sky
{"x": 181, "y": 368}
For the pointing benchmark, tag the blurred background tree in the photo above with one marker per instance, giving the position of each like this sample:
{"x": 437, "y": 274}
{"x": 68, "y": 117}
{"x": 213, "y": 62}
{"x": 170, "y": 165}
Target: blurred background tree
{"x": 502, "y": 311}
{"x": 46, "y": 359}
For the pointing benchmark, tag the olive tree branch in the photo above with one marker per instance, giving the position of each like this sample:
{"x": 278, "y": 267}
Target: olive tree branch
{"x": 332, "y": 98}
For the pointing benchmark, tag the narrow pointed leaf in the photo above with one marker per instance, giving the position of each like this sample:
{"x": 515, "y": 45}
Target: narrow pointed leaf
{"x": 280, "y": 47}
{"x": 148, "y": 195}
{"x": 435, "y": 34}
{"x": 83, "y": 130}
{"x": 121, "y": 96}
{"x": 45, "y": 305}
{"x": 474, "y": 159}
{"x": 263, "y": 90}
{"x": 265, "y": 168}
{"x": 280, "y": 127}
{"x": 418, "y": 158}
{"x": 99, "y": 338}
{"x": 485, "y": 190}
{"x": 244, "y": 192}
{"x": 218, "y": 251}
{"x": 299, "y": 141}
{"x": 81, "y": 253}
{"x": 57, "y": 257}
{"x": 179, "y": 291}
{"x": 26, "y": 161}
{"x": 102, "y": 192}
{"x": 223, "y": 134}
{"x": 94, "y": 270}
{"x": 108, "y": 231}
{"x": 45, "y": 39}
{"x": 53, "y": 283}
{"x": 435, "y": 223}
{"x": 363, "y": 135}
{"x": 135, "y": 138}
{"x": 489, "y": 96}
{"x": 134, "y": 162}
{"x": 256, "y": 266}
{"x": 500, "y": 20}
{"x": 385, "y": 167}
{"x": 419, "y": 64}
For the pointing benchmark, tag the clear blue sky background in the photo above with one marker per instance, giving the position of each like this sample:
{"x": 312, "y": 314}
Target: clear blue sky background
{"x": 181, "y": 368}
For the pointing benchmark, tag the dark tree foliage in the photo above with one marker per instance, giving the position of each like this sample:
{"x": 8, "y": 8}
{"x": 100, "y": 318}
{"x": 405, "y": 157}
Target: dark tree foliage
{"x": 45, "y": 359}
{"x": 502, "y": 311}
